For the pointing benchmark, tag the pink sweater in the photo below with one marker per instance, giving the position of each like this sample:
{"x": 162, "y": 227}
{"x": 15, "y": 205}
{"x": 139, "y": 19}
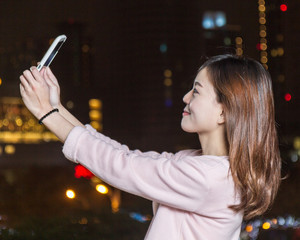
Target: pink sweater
{"x": 190, "y": 192}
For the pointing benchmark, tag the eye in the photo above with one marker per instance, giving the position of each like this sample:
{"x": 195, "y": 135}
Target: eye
{"x": 195, "y": 91}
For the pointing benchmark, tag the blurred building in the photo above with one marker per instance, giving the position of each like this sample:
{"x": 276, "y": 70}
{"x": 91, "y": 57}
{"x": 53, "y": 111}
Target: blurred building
{"x": 140, "y": 58}
{"x": 283, "y": 33}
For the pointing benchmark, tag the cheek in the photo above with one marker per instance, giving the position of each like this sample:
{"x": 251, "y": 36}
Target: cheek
{"x": 203, "y": 112}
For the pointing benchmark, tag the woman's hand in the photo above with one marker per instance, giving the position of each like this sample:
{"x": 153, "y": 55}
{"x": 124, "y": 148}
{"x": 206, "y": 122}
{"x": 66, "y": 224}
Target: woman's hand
{"x": 54, "y": 89}
{"x": 35, "y": 92}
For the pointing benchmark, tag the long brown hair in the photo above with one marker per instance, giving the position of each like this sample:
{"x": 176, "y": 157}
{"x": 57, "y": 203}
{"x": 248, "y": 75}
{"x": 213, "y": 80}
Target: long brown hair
{"x": 244, "y": 88}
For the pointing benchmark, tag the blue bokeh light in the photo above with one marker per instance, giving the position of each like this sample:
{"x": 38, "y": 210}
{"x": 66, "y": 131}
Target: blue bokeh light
{"x": 208, "y": 21}
{"x": 220, "y": 19}
{"x": 168, "y": 102}
{"x": 213, "y": 20}
{"x": 163, "y": 48}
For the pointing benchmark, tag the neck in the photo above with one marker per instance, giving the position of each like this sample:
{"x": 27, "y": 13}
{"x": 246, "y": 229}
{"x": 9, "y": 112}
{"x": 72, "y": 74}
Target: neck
{"x": 213, "y": 143}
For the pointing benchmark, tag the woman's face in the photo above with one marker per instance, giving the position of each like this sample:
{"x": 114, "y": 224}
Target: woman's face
{"x": 202, "y": 114}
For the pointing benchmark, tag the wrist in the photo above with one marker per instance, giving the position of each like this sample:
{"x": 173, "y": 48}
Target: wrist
{"x": 44, "y": 111}
{"x": 61, "y": 108}
{"x": 47, "y": 115}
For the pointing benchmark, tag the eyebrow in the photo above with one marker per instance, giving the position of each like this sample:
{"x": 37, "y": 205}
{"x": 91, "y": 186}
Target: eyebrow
{"x": 198, "y": 84}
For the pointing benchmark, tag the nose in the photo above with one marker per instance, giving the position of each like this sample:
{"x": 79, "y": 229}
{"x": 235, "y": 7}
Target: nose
{"x": 187, "y": 97}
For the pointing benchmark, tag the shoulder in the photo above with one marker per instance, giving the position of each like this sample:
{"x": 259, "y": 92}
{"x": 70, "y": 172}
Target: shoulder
{"x": 208, "y": 161}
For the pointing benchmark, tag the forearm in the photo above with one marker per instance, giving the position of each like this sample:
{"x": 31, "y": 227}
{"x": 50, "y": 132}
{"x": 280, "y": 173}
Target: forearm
{"x": 69, "y": 116}
{"x": 59, "y": 125}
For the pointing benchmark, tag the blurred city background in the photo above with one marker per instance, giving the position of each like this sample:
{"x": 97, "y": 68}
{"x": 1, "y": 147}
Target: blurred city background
{"x": 125, "y": 68}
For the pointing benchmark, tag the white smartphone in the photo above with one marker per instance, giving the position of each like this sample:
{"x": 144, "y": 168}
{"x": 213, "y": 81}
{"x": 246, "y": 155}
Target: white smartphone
{"x": 52, "y": 51}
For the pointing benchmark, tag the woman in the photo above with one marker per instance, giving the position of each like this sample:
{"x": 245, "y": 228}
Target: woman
{"x": 197, "y": 194}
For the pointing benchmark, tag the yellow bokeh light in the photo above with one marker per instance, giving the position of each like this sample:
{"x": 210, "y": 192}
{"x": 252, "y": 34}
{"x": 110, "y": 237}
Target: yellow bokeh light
{"x": 0, "y": 81}
{"x": 297, "y": 143}
{"x": 263, "y": 46}
{"x": 70, "y": 194}
{"x": 249, "y": 228}
{"x": 70, "y": 104}
{"x": 266, "y": 225}
{"x": 168, "y": 73}
{"x": 115, "y": 204}
{"x": 262, "y": 33}
{"x": 261, "y": 8}
{"x": 168, "y": 82}
{"x": 238, "y": 40}
{"x": 83, "y": 220}
{"x": 262, "y": 20}
{"x": 274, "y": 221}
{"x": 263, "y": 59}
{"x": 98, "y": 126}
{"x": 274, "y": 53}
{"x": 261, "y": 2}
{"x": 102, "y": 188}
{"x": 239, "y": 51}
{"x": 280, "y": 51}
{"x": 95, "y": 115}
{"x": 10, "y": 149}
{"x": 19, "y": 122}
{"x": 95, "y": 103}
{"x": 85, "y": 48}
{"x": 5, "y": 122}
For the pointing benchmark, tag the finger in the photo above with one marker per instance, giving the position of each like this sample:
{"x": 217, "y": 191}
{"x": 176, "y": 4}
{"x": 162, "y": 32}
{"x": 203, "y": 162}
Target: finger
{"x": 27, "y": 74}
{"x": 25, "y": 83}
{"x": 51, "y": 76}
{"x": 22, "y": 90}
{"x": 49, "y": 81}
{"x": 36, "y": 74}
{"x": 42, "y": 71}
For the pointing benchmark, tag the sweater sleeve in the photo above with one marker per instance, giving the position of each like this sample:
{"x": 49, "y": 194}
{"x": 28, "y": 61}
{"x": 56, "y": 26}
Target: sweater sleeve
{"x": 177, "y": 182}
{"x": 117, "y": 145}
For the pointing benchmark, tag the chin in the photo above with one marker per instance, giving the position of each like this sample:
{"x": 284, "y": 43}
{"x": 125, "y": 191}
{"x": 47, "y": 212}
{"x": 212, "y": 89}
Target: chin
{"x": 186, "y": 129}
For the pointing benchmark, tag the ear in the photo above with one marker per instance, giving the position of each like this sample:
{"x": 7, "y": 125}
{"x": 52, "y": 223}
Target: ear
{"x": 221, "y": 118}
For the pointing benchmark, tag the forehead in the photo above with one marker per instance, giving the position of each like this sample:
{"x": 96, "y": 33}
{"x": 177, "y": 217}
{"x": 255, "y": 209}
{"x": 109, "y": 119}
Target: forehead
{"x": 202, "y": 78}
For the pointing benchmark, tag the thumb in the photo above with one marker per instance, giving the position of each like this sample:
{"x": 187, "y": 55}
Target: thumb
{"x": 49, "y": 81}
{"x": 51, "y": 76}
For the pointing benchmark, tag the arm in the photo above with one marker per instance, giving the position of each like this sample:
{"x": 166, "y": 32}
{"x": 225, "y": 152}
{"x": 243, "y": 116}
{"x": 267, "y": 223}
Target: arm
{"x": 123, "y": 147}
{"x": 36, "y": 96}
{"x": 180, "y": 182}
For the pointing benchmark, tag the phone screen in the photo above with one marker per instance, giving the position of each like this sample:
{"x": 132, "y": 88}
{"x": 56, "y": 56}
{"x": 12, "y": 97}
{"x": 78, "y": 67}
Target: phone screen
{"x": 53, "y": 53}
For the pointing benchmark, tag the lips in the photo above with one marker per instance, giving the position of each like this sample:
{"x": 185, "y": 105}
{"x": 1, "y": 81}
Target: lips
{"x": 185, "y": 113}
